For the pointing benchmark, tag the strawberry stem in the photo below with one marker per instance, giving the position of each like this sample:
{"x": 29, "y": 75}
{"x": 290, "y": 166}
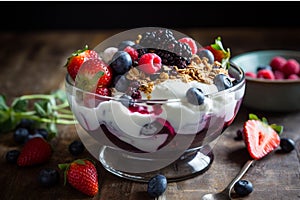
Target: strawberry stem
{"x": 275, "y": 127}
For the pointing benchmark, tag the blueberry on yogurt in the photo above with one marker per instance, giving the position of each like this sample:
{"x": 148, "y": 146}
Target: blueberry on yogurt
{"x": 205, "y": 53}
{"x": 195, "y": 96}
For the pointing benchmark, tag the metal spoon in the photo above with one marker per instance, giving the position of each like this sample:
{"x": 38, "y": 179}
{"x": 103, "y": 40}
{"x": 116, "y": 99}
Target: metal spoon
{"x": 225, "y": 194}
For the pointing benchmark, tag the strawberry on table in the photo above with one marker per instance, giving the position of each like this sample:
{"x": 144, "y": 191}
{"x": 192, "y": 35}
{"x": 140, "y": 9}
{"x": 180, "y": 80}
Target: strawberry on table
{"x": 35, "y": 151}
{"x": 82, "y": 175}
{"x": 75, "y": 61}
{"x": 260, "y": 137}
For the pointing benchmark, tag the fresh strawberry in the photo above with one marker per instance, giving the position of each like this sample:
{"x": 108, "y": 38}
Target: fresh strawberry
{"x": 75, "y": 61}
{"x": 260, "y": 137}
{"x": 221, "y": 55}
{"x": 189, "y": 41}
{"x": 36, "y": 151}
{"x": 82, "y": 175}
{"x": 93, "y": 73}
{"x": 104, "y": 91}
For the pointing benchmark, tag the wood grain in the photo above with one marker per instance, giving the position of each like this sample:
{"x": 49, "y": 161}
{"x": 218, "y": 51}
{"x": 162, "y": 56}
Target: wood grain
{"x": 32, "y": 62}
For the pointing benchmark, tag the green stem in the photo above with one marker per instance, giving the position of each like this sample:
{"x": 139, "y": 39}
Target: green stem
{"x": 61, "y": 106}
{"x": 65, "y": 111}
{"x": 66, "y": 116}
{"x": 36, "y": 96}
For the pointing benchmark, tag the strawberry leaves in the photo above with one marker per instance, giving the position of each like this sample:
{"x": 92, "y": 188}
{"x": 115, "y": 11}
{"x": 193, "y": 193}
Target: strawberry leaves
{"x": 221, "y": 54}
{"x": 277, "y": 128}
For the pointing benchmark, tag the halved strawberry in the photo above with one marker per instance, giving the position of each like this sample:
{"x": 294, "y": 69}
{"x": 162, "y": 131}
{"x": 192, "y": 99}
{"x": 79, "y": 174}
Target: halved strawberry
{"x": 76, "y": 59}
{"x": 221, "y": 55}
{"x": 93, "y": 74}
{"x": 260, "y": 137}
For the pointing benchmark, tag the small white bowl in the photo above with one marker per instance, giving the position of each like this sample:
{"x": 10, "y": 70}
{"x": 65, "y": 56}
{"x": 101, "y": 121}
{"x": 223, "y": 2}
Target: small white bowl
{"x": 269, "y": 95}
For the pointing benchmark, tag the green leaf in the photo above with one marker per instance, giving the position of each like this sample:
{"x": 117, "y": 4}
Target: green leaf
{"x": 19, "y": 105}
{"x": 80, "y": 162}
{"x": 253, "y": 117}
{"x": 264, "y": 120}
{"x": 277, "y": 128}
{"x": 8, "y": 124}
{"x": 39, "y": 107}
{"x": 3, "y": 105}
{"x": 52, "y": 130}
{"x": 65, "y": 167}
{"x": 60, "y": 95}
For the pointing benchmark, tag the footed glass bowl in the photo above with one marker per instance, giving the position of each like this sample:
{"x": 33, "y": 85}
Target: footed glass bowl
{"x": 136, "y": 140}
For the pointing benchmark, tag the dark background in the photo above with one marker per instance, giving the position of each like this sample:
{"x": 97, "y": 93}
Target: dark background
{"x": 40, "y": 15}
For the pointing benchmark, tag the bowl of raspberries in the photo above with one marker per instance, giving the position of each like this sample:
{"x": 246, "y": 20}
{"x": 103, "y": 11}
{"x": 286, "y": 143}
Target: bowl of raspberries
{"x": 272, "y": 79}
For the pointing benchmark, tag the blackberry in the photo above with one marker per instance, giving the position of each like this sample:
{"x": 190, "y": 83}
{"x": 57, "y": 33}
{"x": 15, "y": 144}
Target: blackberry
{"x": 170, "y": 58}
{"x": 165, "y": 40}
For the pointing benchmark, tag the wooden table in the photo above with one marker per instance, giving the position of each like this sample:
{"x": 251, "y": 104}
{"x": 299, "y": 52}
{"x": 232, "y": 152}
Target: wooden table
{"x": 32, "y": 62}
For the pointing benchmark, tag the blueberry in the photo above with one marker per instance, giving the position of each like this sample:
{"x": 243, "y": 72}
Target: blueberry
{"x": 125, "y": 44}
{"x": 287, "y": 145}
{"x": 12, "y": 156}
{"x": 76, "y": 148}
{"x": 239, "y": 135}
{"x": 30, "y": 136}
{"x": 222, "y": 82}
{"x": 126, "y": 100}
{"x": 260, "y": 67}
{"x": 157, "y": 185}
{"x": 20, "y": 135}
{"x": 43, "y": 132}
{"x": 243, "y": 188}
{"x": 195, "y": 96}
{"x": 121, "y": 62}
{"x": 207, "y": 54}
{"x": 26, "y": 123}
{"x": 48, "y": 177}
{"x": 121, "y": 83}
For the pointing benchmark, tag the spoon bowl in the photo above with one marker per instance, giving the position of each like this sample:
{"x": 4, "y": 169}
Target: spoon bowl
{"x": 225, "y": 194}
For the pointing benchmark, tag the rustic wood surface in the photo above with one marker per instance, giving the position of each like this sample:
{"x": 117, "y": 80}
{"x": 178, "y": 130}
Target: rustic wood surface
{"x": 31, "y": 62}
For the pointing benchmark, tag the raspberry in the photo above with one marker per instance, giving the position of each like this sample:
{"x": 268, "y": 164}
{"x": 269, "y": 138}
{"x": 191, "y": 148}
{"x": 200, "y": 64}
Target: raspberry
{"x": 189, "y": 41}
{"x": 132, "y": 52}
{"x": 277, "y": 62}
{"x": 279, "y": 75}
{"x": 150, "y": 63}
{"x": 293, "y": 77}
{"x": 265, "y": 74}
{"x": 291, "y": 67}
{"x": 250, "y": 74}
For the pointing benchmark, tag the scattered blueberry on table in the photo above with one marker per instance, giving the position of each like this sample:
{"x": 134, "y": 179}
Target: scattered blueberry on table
{"x": 157, "y": 185}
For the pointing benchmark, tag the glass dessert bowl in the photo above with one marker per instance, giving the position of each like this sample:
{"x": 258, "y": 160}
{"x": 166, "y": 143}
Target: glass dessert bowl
{"x": 158, "y": 117}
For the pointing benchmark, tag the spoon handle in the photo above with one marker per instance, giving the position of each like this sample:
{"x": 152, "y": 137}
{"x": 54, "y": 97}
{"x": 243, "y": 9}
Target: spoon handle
{"x": 241, "y": 173}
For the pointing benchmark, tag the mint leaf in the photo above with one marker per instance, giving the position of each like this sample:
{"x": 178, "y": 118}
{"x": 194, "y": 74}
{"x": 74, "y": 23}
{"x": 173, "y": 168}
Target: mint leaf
{"x": 19, "y": 105}
{"x": 60, "y": 94}
{"x": 39, "y": 107}
{"x": 3, "y": 105}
